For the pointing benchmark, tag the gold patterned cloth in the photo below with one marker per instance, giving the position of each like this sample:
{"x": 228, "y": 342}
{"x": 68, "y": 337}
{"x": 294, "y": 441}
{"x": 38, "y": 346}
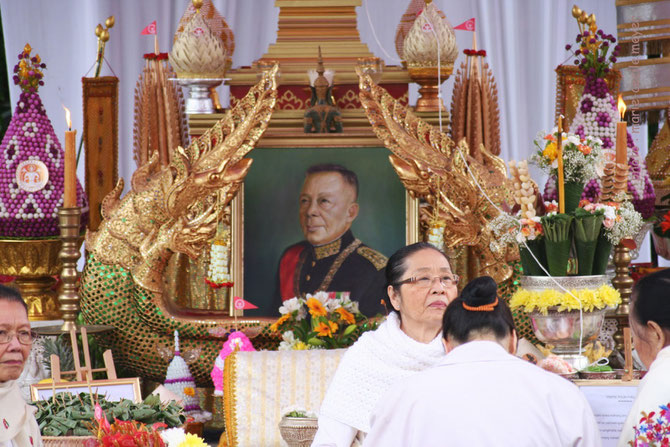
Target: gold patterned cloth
{"x": 259, "y": 384}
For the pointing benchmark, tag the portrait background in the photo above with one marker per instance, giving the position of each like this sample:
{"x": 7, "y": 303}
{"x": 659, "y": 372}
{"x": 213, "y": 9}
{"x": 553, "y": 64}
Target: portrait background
{"x": 271, "y": 224}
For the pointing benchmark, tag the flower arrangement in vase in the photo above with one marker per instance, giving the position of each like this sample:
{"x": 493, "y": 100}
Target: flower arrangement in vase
{"x": 326, "y": 320}
{"x": 298, "y": 426}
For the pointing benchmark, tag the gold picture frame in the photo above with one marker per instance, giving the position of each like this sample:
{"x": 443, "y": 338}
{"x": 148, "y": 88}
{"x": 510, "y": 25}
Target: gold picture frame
{"x": 113, "y": 389}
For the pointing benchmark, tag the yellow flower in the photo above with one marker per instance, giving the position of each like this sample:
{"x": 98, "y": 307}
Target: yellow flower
{"x": 345, "y": 315}
{"x": 326, "y": 329}
{"x": 590, "y": 299}
{"x": 275, "y": 326}
{"x": 189, "y": 391}
{"x": 316, "y": 308}
{"x": 300, "y": 346}
{"x": 192, "y": 440}
{"x": 551, "y": 151}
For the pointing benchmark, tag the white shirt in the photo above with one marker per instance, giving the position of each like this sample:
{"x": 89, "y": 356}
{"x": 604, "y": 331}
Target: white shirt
{"x": 480, "y": 395}
{"x": 653, "y": 391}
{"x": 367, "y": 370}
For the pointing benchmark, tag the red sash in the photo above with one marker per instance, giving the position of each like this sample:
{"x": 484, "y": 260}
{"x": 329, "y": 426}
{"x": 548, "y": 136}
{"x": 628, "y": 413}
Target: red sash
{"x": 287, "y": 267}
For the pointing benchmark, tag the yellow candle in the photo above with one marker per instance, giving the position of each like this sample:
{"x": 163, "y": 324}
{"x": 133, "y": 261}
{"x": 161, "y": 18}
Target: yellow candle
{"x": 70, "y": 180}
{"x": 561, "y": 177}
{"x": 621, "y": 135}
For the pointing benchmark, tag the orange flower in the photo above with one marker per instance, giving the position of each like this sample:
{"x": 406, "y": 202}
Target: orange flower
{"x": 550, "y": 137}
{"x": 347, "y": 316}
{"x": 586, "y": 150}
{"x": 275, "y": 326}
{"x": 189, "y": 391}
{"x": 665, "y": 225}
{"x": 326, "y": 329}
{"x": 316, "y": 308}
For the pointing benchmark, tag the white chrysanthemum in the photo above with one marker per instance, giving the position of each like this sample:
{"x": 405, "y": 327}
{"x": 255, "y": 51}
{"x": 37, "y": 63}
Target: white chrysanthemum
{"x": 291, "y": 305}
{"x": 172, "y": 437}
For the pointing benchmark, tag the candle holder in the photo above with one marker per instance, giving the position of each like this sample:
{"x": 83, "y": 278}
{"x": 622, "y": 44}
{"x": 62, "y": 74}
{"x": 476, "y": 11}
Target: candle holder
{"x": 623, "y": 282}
{"x": 69, "y": 222}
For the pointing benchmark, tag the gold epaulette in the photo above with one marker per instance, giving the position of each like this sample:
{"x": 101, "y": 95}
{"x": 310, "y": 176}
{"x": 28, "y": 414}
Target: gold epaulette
{"x": 377, "y": 259}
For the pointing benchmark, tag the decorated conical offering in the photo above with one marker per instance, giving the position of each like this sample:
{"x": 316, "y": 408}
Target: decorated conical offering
{"x": 557, "y": 242}
{"x": 32, "y": 167}
{"x": 198, "y": 52}
{"x": 587, "y": 229}
{"x": 420, "y": 48}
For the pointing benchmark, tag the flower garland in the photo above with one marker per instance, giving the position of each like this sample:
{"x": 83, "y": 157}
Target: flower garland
{"x": 591, "y": 299}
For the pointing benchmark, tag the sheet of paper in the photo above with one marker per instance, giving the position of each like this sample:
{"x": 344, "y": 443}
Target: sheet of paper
{"x": 610, "y": 405}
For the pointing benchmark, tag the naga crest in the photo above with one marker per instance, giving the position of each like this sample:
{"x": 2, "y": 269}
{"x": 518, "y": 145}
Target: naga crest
{"x": 434, "y": 168}
{"x": 175, "y": 208}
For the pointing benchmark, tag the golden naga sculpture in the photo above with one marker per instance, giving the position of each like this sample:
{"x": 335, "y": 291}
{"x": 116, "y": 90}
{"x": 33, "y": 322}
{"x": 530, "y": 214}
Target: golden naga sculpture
{"x": 434, "y": 168}
{"x": 169, "y": 210}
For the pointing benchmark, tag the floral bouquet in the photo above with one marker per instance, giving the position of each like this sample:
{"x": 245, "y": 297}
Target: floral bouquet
{"x": 582, "y": 161}
{"x": 325, "y": 320}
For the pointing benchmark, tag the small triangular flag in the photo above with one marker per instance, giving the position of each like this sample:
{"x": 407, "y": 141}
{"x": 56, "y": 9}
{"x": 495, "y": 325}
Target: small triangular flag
{"x": 150, "y": 29}
{"x": 468, "y": 25}
{"x": 241, "y": 304}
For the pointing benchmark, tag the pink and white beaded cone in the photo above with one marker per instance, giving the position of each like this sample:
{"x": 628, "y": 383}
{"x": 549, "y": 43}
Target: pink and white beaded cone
{"x": 597, "y": 116}
{"x": 180, "y": 381}
{"x": 237, "y": 341}
{"x": 30, "y": 210}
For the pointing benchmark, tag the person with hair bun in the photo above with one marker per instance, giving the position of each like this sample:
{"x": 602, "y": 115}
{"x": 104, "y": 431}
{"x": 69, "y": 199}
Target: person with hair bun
{"x": 649, "y": 320}
{"x": 481, "y": 394}
{"x": 420, "y": 285}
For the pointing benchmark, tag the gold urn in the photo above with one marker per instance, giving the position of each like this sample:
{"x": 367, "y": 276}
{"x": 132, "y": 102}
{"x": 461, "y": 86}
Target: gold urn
{"x": 34, "y": 263}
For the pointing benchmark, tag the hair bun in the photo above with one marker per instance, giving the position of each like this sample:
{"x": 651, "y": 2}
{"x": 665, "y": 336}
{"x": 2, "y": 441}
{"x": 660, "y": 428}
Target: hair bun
{"x": 480, "y": 291}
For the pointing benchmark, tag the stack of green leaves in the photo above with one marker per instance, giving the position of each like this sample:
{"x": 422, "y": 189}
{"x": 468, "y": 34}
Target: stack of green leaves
{"x": 587, "y": 229}
{"x": 557, "y": 242}
{"x": 73, "y": 414}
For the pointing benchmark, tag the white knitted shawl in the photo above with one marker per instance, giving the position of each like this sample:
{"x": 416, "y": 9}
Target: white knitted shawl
{"x": 371, "y": 366}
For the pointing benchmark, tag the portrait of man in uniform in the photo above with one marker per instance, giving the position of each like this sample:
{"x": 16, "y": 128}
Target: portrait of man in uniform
{"x": 331, "y": 258}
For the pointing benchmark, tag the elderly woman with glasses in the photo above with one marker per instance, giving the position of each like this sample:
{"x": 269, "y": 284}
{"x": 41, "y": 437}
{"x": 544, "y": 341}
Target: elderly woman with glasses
{"x": 420, "y": 285}
{"x": 18, "y": 427}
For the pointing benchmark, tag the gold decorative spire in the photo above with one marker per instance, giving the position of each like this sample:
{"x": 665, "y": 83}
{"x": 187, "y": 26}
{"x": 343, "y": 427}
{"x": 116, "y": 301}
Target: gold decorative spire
{"x": 421, "y": 47}
{"x": 197, "y": 51}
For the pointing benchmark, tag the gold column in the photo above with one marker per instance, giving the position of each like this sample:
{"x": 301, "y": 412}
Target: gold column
{"x": 624, "y": 284}
{"x": 69, "y": 220}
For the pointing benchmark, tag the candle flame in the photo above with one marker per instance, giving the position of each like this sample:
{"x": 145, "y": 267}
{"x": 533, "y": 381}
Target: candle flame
{"x": 67, "y": 117}
{"x": 621, "y": 106}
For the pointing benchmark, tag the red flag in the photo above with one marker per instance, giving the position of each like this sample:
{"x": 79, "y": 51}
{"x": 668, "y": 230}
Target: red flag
{"x": 150, "y": 29}
{"x": 241, "y": 304}
{"x": 468, "y": 25}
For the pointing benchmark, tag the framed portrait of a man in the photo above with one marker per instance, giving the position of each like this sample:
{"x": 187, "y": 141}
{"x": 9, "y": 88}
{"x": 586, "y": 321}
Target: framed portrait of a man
{"x": 309, "y": 224}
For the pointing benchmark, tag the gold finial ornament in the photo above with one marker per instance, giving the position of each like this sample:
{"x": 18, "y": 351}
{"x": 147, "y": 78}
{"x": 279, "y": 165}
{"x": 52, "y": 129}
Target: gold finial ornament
{"x": 109, "y": 22}
{"x": 584, "y": 18}
{"x": 102, "y": 33}
{"x": 98, "y": 30}
{"x": 197, "y": 4}
{"x": 592, "y": 19}
{"x": 576, "y": 12}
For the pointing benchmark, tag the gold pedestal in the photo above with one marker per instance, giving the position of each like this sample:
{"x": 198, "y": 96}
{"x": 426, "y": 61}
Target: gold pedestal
{"x": 34, "y": 263}
{"x": 69, "y": 220}
{"x": 427, "y": 78}
{"x": 624, "y": 284}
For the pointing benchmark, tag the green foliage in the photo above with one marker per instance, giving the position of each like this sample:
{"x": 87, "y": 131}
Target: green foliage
{"x": 73, "y": 415}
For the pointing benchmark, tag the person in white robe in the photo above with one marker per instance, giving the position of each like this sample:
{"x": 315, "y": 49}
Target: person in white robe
{"x": 481, "y": 394}
{"x": 649, "y": 320}
{"x": 420, "y": 286}
{"x": 18, "y": 427}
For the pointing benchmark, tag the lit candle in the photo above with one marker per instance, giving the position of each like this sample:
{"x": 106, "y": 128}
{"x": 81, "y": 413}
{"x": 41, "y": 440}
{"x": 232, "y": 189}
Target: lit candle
{"x": 70, "y": 180}
{"x": 621, "y": 135}
{"x": 561, "y": 177}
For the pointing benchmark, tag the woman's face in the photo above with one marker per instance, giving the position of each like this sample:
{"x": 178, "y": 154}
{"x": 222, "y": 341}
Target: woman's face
{"x": 424, "y": 304}
{"x": 13, "y": 355}
{"x": 646, "y": 339}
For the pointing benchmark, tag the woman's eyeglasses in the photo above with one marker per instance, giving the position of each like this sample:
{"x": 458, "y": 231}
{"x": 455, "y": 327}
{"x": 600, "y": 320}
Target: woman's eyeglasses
{"x": 425, "y": 282}
{"x": 24, "y": 337}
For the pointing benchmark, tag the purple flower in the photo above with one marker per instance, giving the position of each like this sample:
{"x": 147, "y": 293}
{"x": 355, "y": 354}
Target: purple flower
{"x": 606, "y": 70}
{"x": 613, "y": 59}
{"x": 600, "y": 32}
{"x": 576, "y": 61}
{"x": 43, "y": 65}
{"x": 592, "y": 41}
{"x": 585, "y": 51}
{"x": 601, "y": 59}
{"x": 568, "y": 47}
{"x": 586, "y": 34}
{"x": 578, "y": 52}
{"x": 617, "y": 47}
